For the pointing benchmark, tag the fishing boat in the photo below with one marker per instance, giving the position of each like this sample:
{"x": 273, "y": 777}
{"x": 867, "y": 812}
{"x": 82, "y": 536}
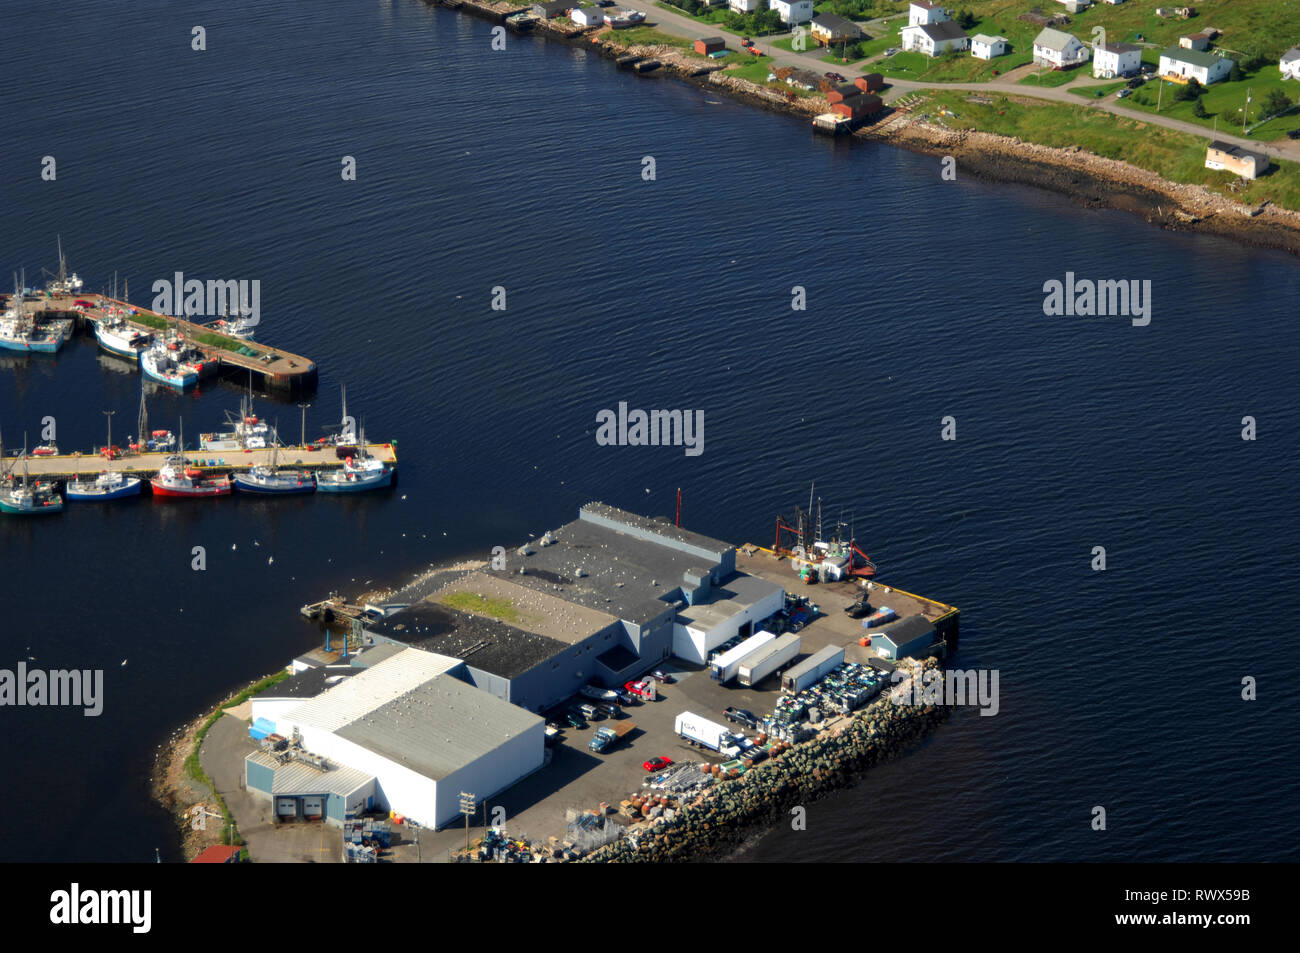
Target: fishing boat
{"x": 247, "y": 431}
{"x": 362, "y": 472}
{"x": 50, "y": 449}
{"x": 118, "y": 337}
{"x": 19, "y": 332}
{"x": 109, "y": 485}
{"x": 179, "y": 479}
{"x": 242, "y": 327}
{"x": 25, "y": 499}
{"x": 162, "y": 362}
{"x": 61, "y": 283}
{"x": 265, "y": 478}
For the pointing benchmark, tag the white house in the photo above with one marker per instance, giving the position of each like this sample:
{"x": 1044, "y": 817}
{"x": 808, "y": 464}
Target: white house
{"x": 742, "y": 6}
{"x": 934, "y": 39}
{"x": 1181, "y": 65}
{"x": 588, "y": 16}
{"x": 1058, "y": 50}
{"x": 920, "y": 12}
{"x": 1290, "y": 63}
{"x": 1076, "y": 6}
{"x": 986, "y": 47}
{"x": 1116, "y": 59}
{"x": 793, "y": 11}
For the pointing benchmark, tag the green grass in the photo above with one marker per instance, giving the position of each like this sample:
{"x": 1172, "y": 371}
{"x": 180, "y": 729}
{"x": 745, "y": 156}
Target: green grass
{"x": 1097, "y": 92}
{"x": 1055, "y": 77}
{"x": 501, "y": 609}
{"x": 1177, "y": 156}
{"x": 649, "y": 36}
{"x": 1223, "y": 104}
{"x": 1269, "y": 27}
{"x": 756, "y": 71}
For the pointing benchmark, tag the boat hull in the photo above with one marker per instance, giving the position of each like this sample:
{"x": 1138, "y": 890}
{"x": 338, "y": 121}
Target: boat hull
{"x": 38, "y": 347}
{"x": 360, "y": 485}
{"x": 174, "y": 381}
{"x": 54, "y": 506}
{"x": 132, "y": 487}
{"x": 244, "y": 485}
{"x": 114, "y": 347}
{"x": 190, "y": 492}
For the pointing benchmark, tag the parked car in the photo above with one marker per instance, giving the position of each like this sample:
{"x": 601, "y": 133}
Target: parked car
{"x": 626, "y": 698}
{"x": 1125, "y": 92}
{"x": 1293, "y": 134}
{"x": 662, "y": 676}
{"x": 835, "y": 77}
{"x": 1135, "y": 82}
{"x": 575, "y": 720}
{"x": 892, "y": 50}
{"x": 741, "y": 716}
{"x": 657, "y": 764}
{"x": 609, "y": 711}
{"x": 590, "y": 712}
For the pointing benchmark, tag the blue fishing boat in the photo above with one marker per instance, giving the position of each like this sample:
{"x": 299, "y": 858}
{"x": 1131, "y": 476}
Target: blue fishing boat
{"x": 359, "y": 473}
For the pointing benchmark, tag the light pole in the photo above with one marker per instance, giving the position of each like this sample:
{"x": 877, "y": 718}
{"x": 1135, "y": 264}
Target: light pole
{"x": 468, "y": 807}
{"x": 109, "y": 414}
{"x": 303, "y": 438}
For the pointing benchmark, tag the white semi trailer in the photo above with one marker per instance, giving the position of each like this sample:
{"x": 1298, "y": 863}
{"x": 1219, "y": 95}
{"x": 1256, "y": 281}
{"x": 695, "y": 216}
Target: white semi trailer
{"x": 769, "y": 658}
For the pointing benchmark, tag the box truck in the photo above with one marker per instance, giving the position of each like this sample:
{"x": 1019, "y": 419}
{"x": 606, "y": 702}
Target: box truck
{"x": 710, "y": 734}
{"x": 726, "y": 665}
{"x": 812, "y": 669}
{"x": 768, "y": 659}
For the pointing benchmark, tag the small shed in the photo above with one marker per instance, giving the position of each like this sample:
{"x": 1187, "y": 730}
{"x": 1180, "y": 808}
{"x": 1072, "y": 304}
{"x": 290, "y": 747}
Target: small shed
{"x": 870, "y": 83}
{"x": 708, "y": 45}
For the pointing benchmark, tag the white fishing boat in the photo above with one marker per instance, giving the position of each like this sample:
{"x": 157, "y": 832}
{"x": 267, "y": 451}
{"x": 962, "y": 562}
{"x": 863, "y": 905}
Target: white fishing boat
{"x": 28, "y": 499}
{"x": 270, "y": 479}
{"x": 358, "y": 473}
{"x": 117, "y": 336}
{"x": 246, "y": 432}
{"x": 162, "y": 361}
{"x": 179, "y": 479}
{"x": 109, "y": 485}
{"x": 20, "y": 332}
{"x": 61, "y": 283}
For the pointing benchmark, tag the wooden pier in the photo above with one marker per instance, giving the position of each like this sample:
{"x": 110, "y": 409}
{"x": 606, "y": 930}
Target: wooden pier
{"x": 68, "y": 465}
{"x": 275, "y": 370}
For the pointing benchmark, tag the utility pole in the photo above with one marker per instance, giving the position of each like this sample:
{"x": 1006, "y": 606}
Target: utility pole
{"x": 1245, "y": 114}
{"x": 468, "y": 807}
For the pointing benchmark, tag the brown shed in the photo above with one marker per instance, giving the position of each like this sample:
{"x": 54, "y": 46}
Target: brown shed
{"x": 710, "y": 44}
{"x": 870, "y": 83}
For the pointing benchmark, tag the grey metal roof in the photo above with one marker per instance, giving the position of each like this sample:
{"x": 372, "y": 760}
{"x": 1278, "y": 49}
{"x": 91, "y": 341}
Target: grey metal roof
{"x": 295, "y": 778}
{"x": 1237, "y": 151}
{"x": 723, "y": 602}
{"x": 1118, "y": 47}
{"x": 1291, "y": 55}
{"x": 1056, "y": 40}
{"x": 440, "y": 727}
{"x": 904, "y": 631}
{"x": 1195, "y": 57}
{"x": 364, "y": 692}
{"x": 817, "y": 658}
{"x": 308, "y": 683}
{"x": 833, "y": 21}
{"x": 943, "y": 30}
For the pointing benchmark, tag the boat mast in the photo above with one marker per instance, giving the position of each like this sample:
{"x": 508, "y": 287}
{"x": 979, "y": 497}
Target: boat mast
{"x": 142, "y": 422}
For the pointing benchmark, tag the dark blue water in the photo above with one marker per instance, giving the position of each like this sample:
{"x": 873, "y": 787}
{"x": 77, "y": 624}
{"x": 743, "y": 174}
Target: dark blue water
{"x": 521, "y": 169}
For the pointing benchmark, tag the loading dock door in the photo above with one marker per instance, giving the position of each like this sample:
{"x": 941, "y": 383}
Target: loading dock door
{"x": 311, "y": 808}
{"x": 286, "y": 807}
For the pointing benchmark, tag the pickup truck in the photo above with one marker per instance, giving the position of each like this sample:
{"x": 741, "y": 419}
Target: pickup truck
{"x": 610, "y": 735}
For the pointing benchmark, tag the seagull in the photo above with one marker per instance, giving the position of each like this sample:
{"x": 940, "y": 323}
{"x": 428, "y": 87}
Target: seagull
{"x": 270, "y": 560}
{"x": 256, "y": 543}
{"x": 234, "y": 546}
{"x": 403, "y": 496}
{"x": 123, "y": 665}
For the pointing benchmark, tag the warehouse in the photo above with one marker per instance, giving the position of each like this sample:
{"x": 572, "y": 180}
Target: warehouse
{"x": 422, "y": 734}
{"x": 601, "y": 599}
{"x": 903, "y": 638}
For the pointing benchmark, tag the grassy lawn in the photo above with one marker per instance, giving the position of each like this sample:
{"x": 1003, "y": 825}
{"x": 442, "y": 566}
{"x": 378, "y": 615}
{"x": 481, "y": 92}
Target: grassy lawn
{"x": 1224, "y": 102}
{"x": 755, "y": 71}
{"x": 1267, "y": 26}
{"x": 1177, "y": 156}
{"x": 1056, "y": 77}
{"x": 1097, "y": 92}
{"x": 649, "y": 36}
{"x": 883, "y": 40}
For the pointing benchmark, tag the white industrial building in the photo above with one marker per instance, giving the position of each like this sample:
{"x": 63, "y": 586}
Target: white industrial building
{"x": 405, "y": 735}
{"x": 718, "y": 613}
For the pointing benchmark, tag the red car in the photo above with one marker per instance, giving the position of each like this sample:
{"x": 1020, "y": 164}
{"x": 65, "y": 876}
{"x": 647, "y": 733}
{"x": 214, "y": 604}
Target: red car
{"x": 640, "y": 689}
{"x": 657, "y": 764}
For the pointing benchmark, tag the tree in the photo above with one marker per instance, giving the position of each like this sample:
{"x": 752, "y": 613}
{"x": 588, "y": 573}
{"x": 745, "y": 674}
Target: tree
{"x": 1276, "y": 102}
{"x": 1189, "y": 92}
{"x": 966, "y": 19}
{"x": 1199, "y": 109}
{"x": 1234, "y": 74}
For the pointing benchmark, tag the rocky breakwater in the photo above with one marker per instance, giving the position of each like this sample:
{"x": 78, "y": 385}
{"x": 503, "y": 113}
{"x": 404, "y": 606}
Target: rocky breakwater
{"x": 794, "y": 776}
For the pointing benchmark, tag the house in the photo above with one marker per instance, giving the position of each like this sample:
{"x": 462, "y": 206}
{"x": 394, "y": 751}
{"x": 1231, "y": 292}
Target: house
{"x": 1116, "y": 59}
{"x": 1195, "y": 41}
{"x": 934, "y": 39}
{"x": 985, "y": 47}
{"x": 588, "y": 16}
{"x": 1181, "y": 65}
{"x": 550, "y": 9}
{"x": 742, "y": 6}
{"x": 1058, "y": 50}
{"x": 217, "y": 854}
{"x": 710, "y": 44}
{"x": 870, "y": 83}
{"x": 1290, "y": 63}
{"x": 828, "y": 28}
{"x": 793, "y": 11}
{"x": 857, "y": 106}
{"x": 921, "y": 12}
{"x": 1230, "y": 158}
{"x": 1076, "y": 6}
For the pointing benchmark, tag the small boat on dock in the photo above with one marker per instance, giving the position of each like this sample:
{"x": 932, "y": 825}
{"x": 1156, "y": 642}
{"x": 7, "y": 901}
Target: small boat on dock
{"x": 247, "y": 432}
{"x": 270, "y": 479}
{"x": 28, "y": 499}
{"x": 359, "y": 473}
{"x": 108, "y": 485}
{"x": 162, "y": 362}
